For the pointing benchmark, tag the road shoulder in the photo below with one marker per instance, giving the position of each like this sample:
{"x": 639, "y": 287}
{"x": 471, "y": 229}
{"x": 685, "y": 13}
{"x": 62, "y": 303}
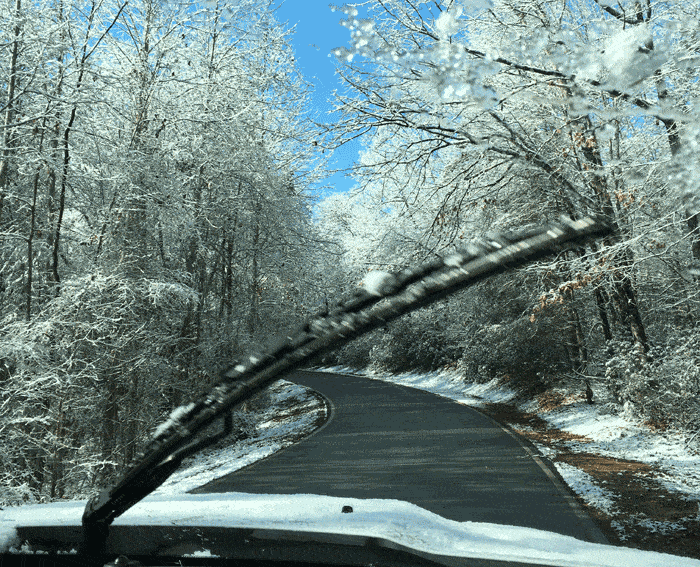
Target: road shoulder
{"x": 644, "y": 514}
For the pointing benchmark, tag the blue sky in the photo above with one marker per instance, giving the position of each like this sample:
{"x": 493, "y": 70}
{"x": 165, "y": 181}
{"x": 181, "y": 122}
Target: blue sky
{"x": 317, "y": 33}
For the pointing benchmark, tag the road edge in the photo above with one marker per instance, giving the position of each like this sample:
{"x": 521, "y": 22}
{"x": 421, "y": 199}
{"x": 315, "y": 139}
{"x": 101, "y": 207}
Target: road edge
{"x": 590, "y": 525}
{"x": 594, "y": 532}
{"x": 330, "y": 413}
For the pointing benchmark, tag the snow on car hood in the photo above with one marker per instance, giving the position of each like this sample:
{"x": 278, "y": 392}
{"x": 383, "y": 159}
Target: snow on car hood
{"x": 400, "y": 522}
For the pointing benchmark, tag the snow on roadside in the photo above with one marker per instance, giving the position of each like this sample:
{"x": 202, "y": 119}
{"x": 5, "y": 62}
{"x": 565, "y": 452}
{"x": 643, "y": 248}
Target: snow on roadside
{"x": 584, "y": 485}
{"x": 443, "y": 382}
{"x": 609, "y": 435}
{"x": 626, "y": 438}
{"x": 273, "y": 431}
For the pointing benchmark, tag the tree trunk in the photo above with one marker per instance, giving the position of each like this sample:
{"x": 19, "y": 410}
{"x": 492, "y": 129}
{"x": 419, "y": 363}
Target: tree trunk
{"x": 578, "y": 342}
{"x": 110, "y": 427}
{"x": 625, "y": 299}
{"x": 132, "y": 425}
{"x": 57, "y": 467}
{"x": 624, "y": 294}
{"x": 10, "y": 111}
{"x": 66, "y": 151}
{"x": 30, "y": 245}
{"x": 227, "y": 283}
{"x": 602, "y": 313}
{"x": 253, "y": 316}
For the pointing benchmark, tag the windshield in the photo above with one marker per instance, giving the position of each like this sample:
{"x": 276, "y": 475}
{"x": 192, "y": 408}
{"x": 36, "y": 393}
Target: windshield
{"x": 173, "y": 210}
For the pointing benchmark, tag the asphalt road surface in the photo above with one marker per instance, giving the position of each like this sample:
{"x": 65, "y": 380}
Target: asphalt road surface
{"x": 390, "y": 441}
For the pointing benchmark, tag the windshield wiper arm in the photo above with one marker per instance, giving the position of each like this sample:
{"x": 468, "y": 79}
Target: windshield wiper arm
{"x": 386, "y": 299}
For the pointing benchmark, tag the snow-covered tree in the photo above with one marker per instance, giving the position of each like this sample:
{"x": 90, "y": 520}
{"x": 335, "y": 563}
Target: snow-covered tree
{"x": 165, "y": 168}
{"x": 494, "y": 115}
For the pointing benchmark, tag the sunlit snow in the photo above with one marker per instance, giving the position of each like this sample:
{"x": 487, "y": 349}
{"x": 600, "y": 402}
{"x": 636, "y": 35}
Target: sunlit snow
{"x": 447, "y": 24}
{"x": 378, "y": 282}
{"x": 392, "y": 520}
{"x": 628, "y": 58}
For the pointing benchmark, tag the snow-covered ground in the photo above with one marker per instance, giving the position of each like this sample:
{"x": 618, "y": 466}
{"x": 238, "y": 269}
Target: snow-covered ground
{"x": 297, "y": 413}
{"x": 292, "y": 414}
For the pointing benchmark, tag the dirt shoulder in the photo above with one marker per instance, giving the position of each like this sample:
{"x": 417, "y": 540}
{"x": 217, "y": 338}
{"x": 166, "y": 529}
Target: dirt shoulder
{"x": 645, "y": 514}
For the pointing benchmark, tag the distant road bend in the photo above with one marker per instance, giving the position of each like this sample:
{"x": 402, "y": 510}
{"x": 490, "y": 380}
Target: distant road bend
{"x": 390, "y": 441}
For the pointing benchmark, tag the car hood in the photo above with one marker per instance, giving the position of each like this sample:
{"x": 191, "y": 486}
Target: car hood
{"x": 265, "y": 526}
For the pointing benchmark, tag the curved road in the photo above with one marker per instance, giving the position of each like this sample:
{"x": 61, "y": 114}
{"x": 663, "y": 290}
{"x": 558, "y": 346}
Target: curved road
{"x": 390, "y": 441}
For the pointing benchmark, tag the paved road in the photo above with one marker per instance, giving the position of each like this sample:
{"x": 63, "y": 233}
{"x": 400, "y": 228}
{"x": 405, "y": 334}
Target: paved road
{"x": 389, "y": 441}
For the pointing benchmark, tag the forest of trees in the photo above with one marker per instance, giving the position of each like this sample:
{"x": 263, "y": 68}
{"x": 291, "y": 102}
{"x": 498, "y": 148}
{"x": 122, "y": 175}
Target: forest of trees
{"x": 157, "y": 218}
{"x": 502, "y": 114}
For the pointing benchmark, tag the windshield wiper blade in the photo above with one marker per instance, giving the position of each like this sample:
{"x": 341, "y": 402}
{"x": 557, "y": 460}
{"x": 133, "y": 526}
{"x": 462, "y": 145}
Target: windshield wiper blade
{"x": 385, "y": 300}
